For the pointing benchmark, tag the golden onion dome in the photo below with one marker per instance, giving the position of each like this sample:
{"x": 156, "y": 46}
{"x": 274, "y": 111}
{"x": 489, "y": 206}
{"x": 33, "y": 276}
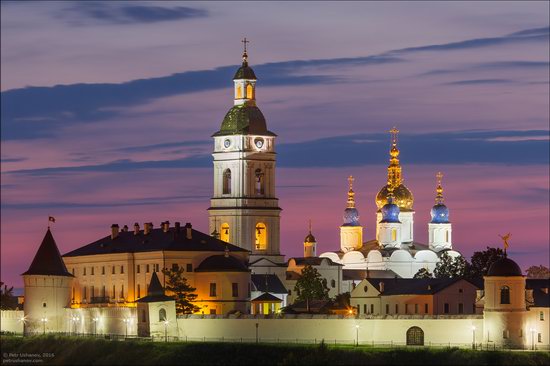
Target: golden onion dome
{"x": 402, "y": 197}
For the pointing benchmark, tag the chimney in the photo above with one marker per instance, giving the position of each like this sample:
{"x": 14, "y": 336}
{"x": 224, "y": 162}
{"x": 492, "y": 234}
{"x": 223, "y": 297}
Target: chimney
{"x": 188, "y": 232}
{"x": 125, "y": 228}
{"x": 177, "y": 226}
{"x": 165, "y": 226}
{"x": 147, "y": 227}
{"x": 136, "y": 228}
{"x": 114, "y": 231}
{"x": 381, "y": 286}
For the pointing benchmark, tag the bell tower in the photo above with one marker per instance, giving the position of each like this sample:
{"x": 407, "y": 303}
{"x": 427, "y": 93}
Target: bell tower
{"x": 244, "y": 209}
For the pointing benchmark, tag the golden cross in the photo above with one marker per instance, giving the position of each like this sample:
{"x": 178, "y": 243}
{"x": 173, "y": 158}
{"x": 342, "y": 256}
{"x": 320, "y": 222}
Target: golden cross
{"x": 350, "y": 181}
{"x": 245, "y": 41}
{"x": 394, "y": 131}
{"x": 439, "y": 177}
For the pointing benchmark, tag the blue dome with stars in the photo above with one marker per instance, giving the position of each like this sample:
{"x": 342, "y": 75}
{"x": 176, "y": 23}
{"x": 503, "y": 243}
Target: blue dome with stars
{"x": 351, "y": 217}
{"x": 440, "y": 214}
{"x": 390, "y": 212}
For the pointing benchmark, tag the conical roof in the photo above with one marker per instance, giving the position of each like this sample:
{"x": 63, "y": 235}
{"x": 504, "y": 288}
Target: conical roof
{"x": 155, "y": 291}
{"x": 47, "y": 260}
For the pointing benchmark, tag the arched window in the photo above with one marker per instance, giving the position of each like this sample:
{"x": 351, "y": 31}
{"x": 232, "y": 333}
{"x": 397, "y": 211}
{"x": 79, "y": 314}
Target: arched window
{"x": 505, "y": 295}
{"x": 162, "y": 315}
{"x": 239, "y": 92}
{"x": 227, "y": 181}
{"x": 259, "y": 186}
{"x": 249, "y": 91}
{"x": 393, "y": 234}
{"x": 224, "y": 234}
{"x": 415, "y": 336}
{"x": 261, "y": 236}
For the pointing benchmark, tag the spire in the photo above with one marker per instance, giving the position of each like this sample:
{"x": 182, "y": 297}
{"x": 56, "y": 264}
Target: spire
{"x": 394, "y": 169}
{"x": 310, "y": 238}
{"x": 47, "y": 260}
{"x": 439, "y": 197}
{"x": 245, "y": 55}
{"x": 351, "y": 193}
{"x": 155, "y": 288}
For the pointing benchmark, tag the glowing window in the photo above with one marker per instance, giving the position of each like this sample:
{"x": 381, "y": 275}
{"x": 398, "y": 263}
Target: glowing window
{"x": 239, "y": 92}
{"x": 393, "y": 234}
{"x": 261, "y": 236}
{"x": 505, "y": 295}
{"x": 227, "y": 181}
{"x": 224, "y": 234}
{"x": 249, "y": 91}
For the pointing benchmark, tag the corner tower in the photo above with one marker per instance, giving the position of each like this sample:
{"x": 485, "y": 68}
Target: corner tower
{"x": 402, "y": 196}
{"x": 244, "y": 209}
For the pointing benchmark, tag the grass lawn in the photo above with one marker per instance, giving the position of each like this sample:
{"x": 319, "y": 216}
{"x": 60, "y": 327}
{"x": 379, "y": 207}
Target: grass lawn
{"x": 70, "y": 351}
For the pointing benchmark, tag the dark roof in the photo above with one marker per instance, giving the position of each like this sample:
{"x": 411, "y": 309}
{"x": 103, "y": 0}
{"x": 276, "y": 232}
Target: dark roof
{"x": 313, "y": 261}
{"x": 244, "y": 119}
{"x": 155, "y": 291}
{"x": 266, "y": 297}
{"x": 541, "y": 293}
{"x": 504, "y": 267}
{"x": 315, "y": 306}
{"x": 245, "y": 72}
{"x": 361, "y": 274}
{"x": 413, "y": 286}
{"x": 221, "y": 263}
{"x": 157, "y": 239}
{"x": 268, "y": 283}
{"x": 47, "y": 260}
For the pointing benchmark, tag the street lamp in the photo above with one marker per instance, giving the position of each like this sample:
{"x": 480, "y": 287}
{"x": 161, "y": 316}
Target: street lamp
{"x": 533, "y": 330}
{"x": 44, "y": 321}
{"x": 357, "y": 335}
{"x": 74, "y": 319}
{"x": 126, "y": 321}
{"x": 166, "y": 331}
{"x": 95, "y": 320}
{"x": 473, "y": 337}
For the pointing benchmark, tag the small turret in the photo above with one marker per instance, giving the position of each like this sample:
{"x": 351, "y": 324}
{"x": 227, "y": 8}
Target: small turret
{"x": 351, "y": 231}
{"x": 439, "y": 228}
{"x": 310, "y": 244}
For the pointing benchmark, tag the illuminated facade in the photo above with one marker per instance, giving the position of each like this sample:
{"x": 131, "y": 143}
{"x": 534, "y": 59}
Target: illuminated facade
{"x": 244, "y": 208}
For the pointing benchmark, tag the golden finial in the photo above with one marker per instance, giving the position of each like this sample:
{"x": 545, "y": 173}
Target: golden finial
{"x": 505, "y": 239}
{"x": 439, "y": 189}
{"x": 394, "y": 169}
{"x": 351, "y": 193}
{"x": 245, "y": 55}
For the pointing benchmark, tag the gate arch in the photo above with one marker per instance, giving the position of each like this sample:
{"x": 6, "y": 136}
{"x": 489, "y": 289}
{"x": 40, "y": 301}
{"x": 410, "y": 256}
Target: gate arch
{"x": 415, "y": 336}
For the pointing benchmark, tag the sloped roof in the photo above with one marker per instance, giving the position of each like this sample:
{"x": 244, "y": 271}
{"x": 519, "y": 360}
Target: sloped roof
{"x": 156, "y": 240}
{"x": 222, "y": 263}
{"x": 47, "y": 260}
{"x": 155, "y": 291}
{"x": 361, "y": 274}
{"x": 313, "y": 261}
{"x": 413, "y": 286}
{"x": 268, "y": 283}
{"x": 266, "y": 297}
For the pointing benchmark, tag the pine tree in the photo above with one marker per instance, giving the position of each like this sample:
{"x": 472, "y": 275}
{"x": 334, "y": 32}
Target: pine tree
{"x": 183, "y": 292}
{"x": 311, "y": 286}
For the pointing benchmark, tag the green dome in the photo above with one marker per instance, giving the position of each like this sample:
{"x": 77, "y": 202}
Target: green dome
{"x": 245, "y": 72}
{"x": 244, "y": 119}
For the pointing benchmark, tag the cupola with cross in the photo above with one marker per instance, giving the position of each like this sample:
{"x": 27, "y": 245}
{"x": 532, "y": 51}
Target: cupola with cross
{"x": 439, "y": 228}
{"x": 351, "y": 231}
{"x": 244, "y": 209}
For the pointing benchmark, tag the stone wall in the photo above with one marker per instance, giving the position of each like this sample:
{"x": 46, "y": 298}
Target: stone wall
{"x": 10, "y": 321}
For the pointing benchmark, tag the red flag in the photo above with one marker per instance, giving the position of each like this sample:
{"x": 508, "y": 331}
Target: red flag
{"x": 51, "y": 218}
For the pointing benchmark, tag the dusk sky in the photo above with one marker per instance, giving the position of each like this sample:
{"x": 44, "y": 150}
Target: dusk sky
{"x": 108, "y": 108}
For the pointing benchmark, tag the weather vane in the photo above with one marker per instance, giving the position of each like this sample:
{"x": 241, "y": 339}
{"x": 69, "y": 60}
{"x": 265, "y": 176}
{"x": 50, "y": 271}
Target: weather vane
{"x": 505, "y": 239}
